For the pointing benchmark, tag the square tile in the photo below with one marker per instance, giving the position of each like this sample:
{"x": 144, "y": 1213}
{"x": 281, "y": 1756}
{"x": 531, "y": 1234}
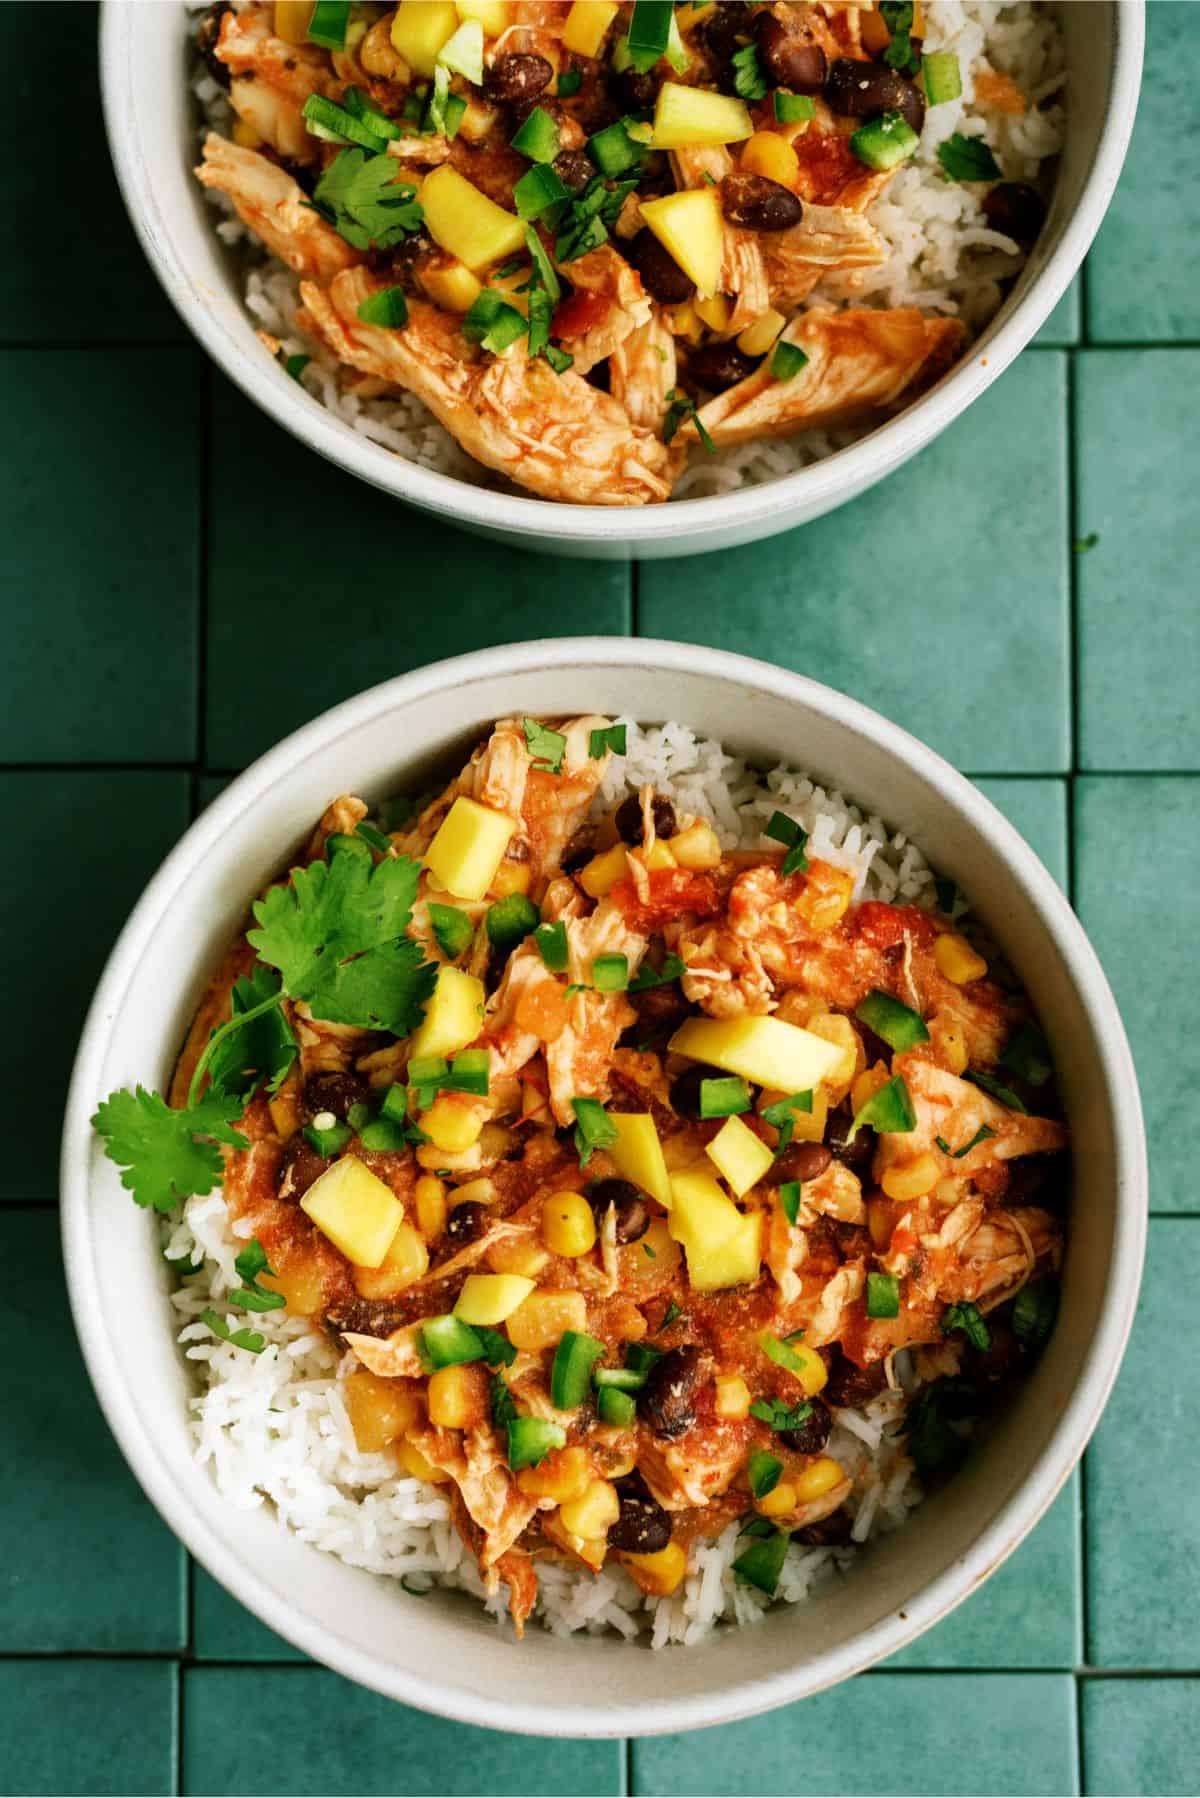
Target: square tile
{"x": 890, "y": 1732}
{"x": 1137, "y": 469}
{"x": 1027, "y": 1615}
{"x": 94, "y": 840}
{"x": 347, "y": 588}
{"x": 1137, "y": 871}
{"x": 1064, "y": 326}
{"x": 1140, "y": 1735}
{"x": 1143, "y": 1572}
{"x": 87, "y": 1727}
{"x": 99, "y": 564}
{"x": 1038, "y": 809}
{"x": 325, "y": 1735}
{"x": 940, "y": 597}
{"x": 120, "y": 300}
{"x": 224, "y": 1630}
{"x": 1144, "y": 269}
{"x": 86, "y": 1563}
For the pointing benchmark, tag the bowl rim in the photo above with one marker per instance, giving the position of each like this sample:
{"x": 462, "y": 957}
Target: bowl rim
{"x": 1016, "y": 1517}
{"x": 814, "y": 489}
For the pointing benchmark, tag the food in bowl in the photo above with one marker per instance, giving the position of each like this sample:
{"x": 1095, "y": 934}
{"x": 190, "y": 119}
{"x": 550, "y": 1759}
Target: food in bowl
{"x": 637, "y": 1177}
{"x": 615, "y": 253}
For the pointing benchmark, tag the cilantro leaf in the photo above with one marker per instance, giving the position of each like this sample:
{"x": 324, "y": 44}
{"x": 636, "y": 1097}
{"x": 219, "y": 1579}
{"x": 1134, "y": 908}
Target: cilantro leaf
{"x": 967, "y": 159}
{"x": 336, "y": 934}
{"x": 243, "y": 1339}
{"x": 783, "y": 1116}
{"x": 680, "y": 408}
{"x": 250, "y": 1263}
{"x": 778, "y": 1416}
{"x": 359, "y": 195}
{"x": 546, "y": 746}
{"x": 264, "y": 1050}
{"x": 167, "y": 1155}
{"x": 749, "y": 78}
{"x": 898, "y": 17}
{"x": 673, "y": 966}
{"x": 966, "y": 1317}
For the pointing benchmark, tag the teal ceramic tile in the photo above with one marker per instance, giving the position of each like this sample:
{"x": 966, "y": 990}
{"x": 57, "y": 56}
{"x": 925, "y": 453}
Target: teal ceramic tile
{"x": 87, "y": 1727}
{"x": 940, "y": 597}
{"x": 92, "y": 841}
{"x": 1137, "y": 871}
{"x": 1142, "y": 1472}
{"x": 1038, "y": 809}
{"x": 1064, "y": 325}
{"x": 1138, "y": 465}
{"x": 99, "y": 553}
{"x": 84, "y": 1561}
{"x": 347, "y": 588}
{"x": 224, "y": 1630}
{"x": 113, "y": 296}
{"x": 321, "y": 1734}
{"x": 1144, "y": 269}
{"x": 1027, "y": 1615}
{"x": 1141, "y": 1735}
{"x": 896, "y": 1733}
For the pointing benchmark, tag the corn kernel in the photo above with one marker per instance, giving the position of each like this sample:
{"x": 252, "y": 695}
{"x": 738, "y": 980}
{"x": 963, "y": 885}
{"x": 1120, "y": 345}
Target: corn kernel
{"x": 292, "y": 19}
{"x": 951, "y": 1044}
{"x": 301, "y": 1282}
{"x": 430, "y": 1197}
{"x": 451, "y": 1125}
{"x": 603, "y": 872}
{"x": 417, "y": 1467}
{"x": 733, "y": 1396}
{"x": 817, "y": 1480}
{"x": 457, "y": 1396}
{"x": 714, "y": 311}
{"x": 911, "y": 1179}
{"x": 545, "y": 1317}
{"x": 482, "y": 1191}
{"x": 405, "y": 1262}
{"x": 758, "y": 337}
{"x": 517, "y": 1255}
{"x": 684, "y": 322}
{"x": 511, "y": 877}
{"x": 778, "y": 1501}
{"x": 768, "y": 154}
{"x": 833, "y": 1028}
{"x": 812, "y": 1372}
{"x": 867, "y": 1085}
{"x": 880, "y": 1221}
{"x": 568, "y": 1228}
{"x": 379, "y": 1410}
{"x": 825, "y": 896}
{"x": 245, "y": 136}
{"x": 957, "y": 960}
{"x": 696, "y": 847}
{"x": 592, "y": 1514}
{"x": 566, "y": 1473}
{"x": 660, "y": 1573}
{"x": 657, "y": 856}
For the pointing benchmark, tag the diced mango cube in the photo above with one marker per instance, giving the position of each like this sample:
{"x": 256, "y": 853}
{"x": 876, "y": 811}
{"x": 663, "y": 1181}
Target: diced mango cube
{"x": 471, "y": 839}
{"x": 739, "y": 1155}
{"x": 454, "y": 288}
{"x": 406, "y": 1260}
{"x": 292, "y": 18}
{"x": 489, "y": 1298}
{"x": 355, "y": 1210}
{"x": 379, "y": 1410}
{"x": 687, "y": 116}
{"x": 690, "y": 227}
{"x": 655, "y": 1256}
{"x": 493, "y": 15}
{"x": 700, "y": 1211}
{"x": 639, "y": 1156}
{"x": 453, "y": 1015}
{"x": 472, "y": 227}
{"x": 544, "y": 1318}
{"x": 731, "y": 1262}
{"x": 586, "y": 24}
{"x": 419, "y": 29}
{"x": 762, "y": 1049}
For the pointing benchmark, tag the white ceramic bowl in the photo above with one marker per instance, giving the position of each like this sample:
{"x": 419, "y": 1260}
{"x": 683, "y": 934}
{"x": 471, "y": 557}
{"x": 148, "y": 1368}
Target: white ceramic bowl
{"x": 443, "y": 1653}
{"x": 152, "y": 133}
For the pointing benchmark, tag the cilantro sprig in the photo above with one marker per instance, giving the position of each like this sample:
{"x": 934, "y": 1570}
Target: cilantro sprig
{"x": 167, "y": 1155}
{"x": 359, "y": 195}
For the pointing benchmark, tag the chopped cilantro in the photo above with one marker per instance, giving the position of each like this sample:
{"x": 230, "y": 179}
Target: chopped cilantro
{"x": 783, "y": 1116}
{"x": 250, "y": 1263}
{"x": 594, "y": 1129}
{"x": 965, "y": 1317}
{"x": 989, "y": 1084}
{"x": 504, "y": 1411}
{"x": 786, "y": 830}
{"x": 749, "y": 76}
{"x": 601, "y": 741}
{"x": 263, "y": 1049}
{"x": 900, "y": 54}
{"x": 967, "y": 159}
{"x": 646, "y": 977}
{"x": 1034, "y": 1311}
{"x": 680, "y": 408}
{"x": 546, "y": 746}
{"x": 243, "y": 1338}
{"x": 361, "y": 198}
{"x": 779, "y": 1416}
{"x": 981, "y": 1135}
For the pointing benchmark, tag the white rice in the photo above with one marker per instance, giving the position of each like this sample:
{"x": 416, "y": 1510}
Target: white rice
{"x": 943, "y": 256}
{"x": 273, "y": 1428}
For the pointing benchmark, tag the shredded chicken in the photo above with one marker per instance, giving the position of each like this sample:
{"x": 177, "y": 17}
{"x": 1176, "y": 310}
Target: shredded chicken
{"x": 274, "y": 207}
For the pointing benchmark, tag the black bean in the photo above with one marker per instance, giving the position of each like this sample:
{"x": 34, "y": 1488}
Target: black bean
{"x": 661, "y": 275}
{"x": 863, "y": 90}
{"x": 685, "y": 1090}
{"x": 520, "y": 76}
{"x": 207, "y": 33}
{"x": 667, "y": 1400}
{"x": 790, "y": 61}
{"x": 633, "y": 1219}
{"x": 335, "y": 1092}
{"x": 721, "y": 31}
{"x": 720, "y": 365}
{"x": 574, "y": 169}
{"x": 812, "y": 1435}
{"x": 851, "y": 1386}
{"x": 856, "y": 1155}
{"x": 759, "y": 203}
{"x": 637, "y": 89}
{"x": 629, "y": 818}
{"x": 300, "y": 1167}
{"x": 800, "y": 1161}
{"x": 657, "y": 1008}
{"x": 467, "y": 1222}
{"x": 874, "y": 1047}
{"x": 643, "y": 1526}
{"x": 1002, "y": 1356}
{"x": 1016, "y": 209}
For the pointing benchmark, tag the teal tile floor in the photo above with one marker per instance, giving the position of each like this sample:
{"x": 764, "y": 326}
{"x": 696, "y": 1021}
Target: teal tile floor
{"x": 157, "y": 638}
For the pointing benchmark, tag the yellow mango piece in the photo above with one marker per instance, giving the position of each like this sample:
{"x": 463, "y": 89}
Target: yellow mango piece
{"x": 471, "y": 839}
{"x": 586, "y": 24}
{"x": 292, "y": 20}
{"x": 454, "y": 289}
{"x": 765, "y": 1050}
{"x": 419, "y": 29}
{"x": 465, "y": 222}
{"x": 740, "y": 1156}
{"x": 355, "y": 1210}
{"x": 493, "y": 15}
{"x": 686, "y": 116}
{"x": 655, "y": 1257}
{"x": 489, "y": 1298}
{"x": 405, "y": 1262}
{"x": 690, "y": 228}
{"x": 544, "y": 1318}
{"x": 380, "y": 1410}
{"x": 700, "y": 1211}
{"x": 639, "y": 1156}
{"x": 733, "y": 1262}
{"x": 452, "y": 1017}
